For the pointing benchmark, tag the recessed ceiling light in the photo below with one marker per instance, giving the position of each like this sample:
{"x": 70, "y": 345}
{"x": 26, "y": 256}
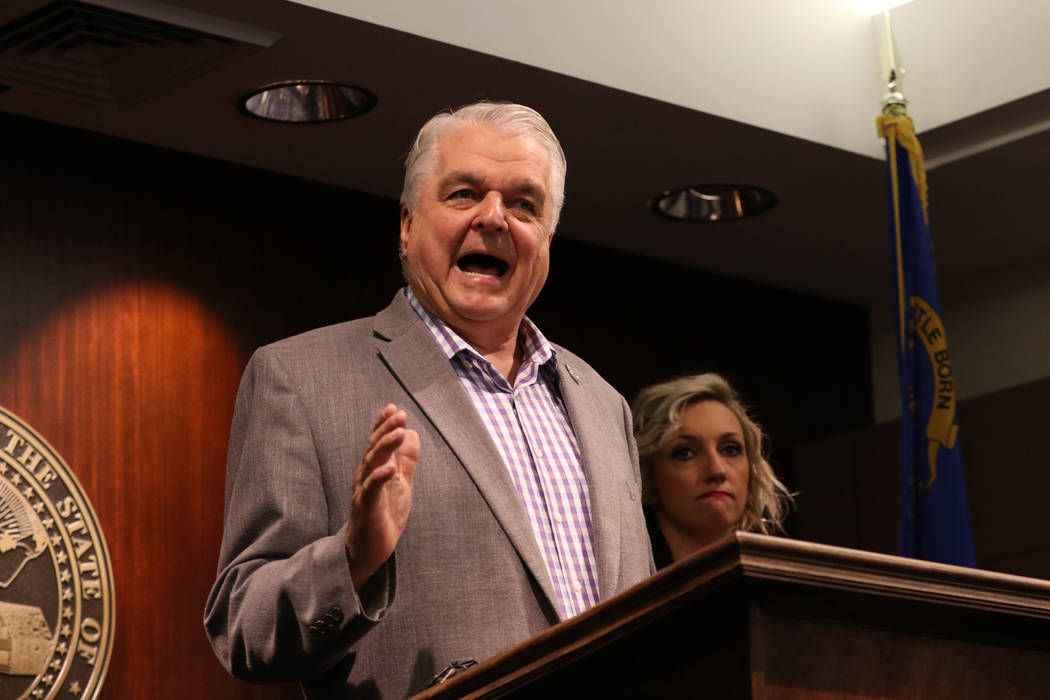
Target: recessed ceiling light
{"x": 308, "y": 101}
{"x": 710, "y": 203}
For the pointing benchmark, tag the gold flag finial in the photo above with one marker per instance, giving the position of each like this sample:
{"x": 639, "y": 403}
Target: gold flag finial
{"x": 893, "y": 101}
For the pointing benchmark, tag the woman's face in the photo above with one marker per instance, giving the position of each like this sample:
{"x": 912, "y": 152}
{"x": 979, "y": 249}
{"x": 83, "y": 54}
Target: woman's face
{"x": 700, "y": 478}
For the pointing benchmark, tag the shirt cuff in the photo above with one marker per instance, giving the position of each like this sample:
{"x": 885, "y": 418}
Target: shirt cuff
{"x": 377, "y": 595}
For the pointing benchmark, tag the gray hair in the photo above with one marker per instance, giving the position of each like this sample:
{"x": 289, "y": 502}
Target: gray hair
{"x": 511, "y": 119}
{"x": 658, "y": 414}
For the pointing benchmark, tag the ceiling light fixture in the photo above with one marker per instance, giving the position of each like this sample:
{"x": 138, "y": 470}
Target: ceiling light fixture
{"x": 308, "y": 101}
{"x": 709, "y": 203}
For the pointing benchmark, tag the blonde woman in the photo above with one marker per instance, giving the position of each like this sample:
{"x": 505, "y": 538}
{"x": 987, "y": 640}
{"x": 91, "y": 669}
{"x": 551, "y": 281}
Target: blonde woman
{"x": 704, "y": 473}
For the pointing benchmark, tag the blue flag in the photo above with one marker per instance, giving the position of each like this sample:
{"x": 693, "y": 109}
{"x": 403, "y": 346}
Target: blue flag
{"x": 935, "y": 514}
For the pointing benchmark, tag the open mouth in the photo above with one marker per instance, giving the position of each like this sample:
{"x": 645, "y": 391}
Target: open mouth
{"x": 481, "y": 264}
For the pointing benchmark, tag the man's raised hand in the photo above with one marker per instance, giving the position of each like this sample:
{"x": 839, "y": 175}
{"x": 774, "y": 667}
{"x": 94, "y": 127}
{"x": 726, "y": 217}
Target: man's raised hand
{"x": 382, "y": 494}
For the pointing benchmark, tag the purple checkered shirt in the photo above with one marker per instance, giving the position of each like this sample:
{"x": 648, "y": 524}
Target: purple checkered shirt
{"x": 529, "y": 425}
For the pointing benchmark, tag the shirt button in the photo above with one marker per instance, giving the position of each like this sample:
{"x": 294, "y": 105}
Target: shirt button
{"x": 577, "y": 586}
{"x": 557, "y": 518}
{"x": 539, "y": 452}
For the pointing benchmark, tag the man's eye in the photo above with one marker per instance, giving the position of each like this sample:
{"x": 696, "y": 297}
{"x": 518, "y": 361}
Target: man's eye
{"x": 461, "y": 194}
{"x": 527, "y": 206}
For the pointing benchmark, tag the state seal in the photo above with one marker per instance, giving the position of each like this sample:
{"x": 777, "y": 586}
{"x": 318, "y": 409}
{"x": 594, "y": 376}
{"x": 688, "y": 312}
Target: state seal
{"x": 56, "y": 584}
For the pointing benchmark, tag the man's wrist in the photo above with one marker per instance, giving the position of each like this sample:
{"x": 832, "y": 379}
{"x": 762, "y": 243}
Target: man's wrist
{"x": 359, "y": 575}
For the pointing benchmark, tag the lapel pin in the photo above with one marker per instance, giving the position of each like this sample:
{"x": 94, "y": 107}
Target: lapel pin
{"x": 572, "y": 373}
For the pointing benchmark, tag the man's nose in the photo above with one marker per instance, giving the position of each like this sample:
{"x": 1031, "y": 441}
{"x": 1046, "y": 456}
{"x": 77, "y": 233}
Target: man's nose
{"x": 491, "y": 216}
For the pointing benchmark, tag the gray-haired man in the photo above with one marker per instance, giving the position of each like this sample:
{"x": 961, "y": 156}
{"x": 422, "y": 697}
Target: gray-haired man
{"x": 437, "y": 482}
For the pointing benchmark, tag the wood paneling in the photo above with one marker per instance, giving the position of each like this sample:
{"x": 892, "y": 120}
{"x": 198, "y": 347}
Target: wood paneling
{"x": 817, "y": 660}
{"x": 133, "y": 385}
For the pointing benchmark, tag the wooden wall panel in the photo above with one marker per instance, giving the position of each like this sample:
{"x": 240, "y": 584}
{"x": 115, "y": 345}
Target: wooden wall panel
{"x": 134, "y": 387}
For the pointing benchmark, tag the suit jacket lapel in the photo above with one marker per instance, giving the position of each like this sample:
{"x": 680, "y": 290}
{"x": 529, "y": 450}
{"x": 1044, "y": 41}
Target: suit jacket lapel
{"x": 412, "y": 355}
{"x": 585, "y": 416}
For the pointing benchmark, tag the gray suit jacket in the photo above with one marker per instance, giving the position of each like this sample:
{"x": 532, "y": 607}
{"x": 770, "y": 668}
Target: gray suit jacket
{"x": 467, "y": 579}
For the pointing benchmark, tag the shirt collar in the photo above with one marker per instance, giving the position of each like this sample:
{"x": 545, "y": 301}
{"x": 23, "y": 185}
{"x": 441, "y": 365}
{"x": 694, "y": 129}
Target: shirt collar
{"x": 536, "y": 348}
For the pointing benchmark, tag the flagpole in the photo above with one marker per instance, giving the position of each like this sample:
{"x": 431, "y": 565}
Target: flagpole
{"x": 894, "y": 103}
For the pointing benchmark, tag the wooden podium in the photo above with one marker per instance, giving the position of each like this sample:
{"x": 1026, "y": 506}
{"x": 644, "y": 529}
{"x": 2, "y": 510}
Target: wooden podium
{"x": 764, "y": 617}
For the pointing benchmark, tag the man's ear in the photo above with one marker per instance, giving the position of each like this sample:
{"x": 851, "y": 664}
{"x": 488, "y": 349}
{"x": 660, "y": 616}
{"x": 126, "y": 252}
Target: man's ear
{"x": 406, "y": 225}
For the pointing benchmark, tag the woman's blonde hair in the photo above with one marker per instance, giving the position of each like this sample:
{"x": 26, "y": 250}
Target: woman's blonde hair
{"x": 658, "y": 414}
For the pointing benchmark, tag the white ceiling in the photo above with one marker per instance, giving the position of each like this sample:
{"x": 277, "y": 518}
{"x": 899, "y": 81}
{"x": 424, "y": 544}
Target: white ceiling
{"x": 647, "y": 97}
{"x": 807, "y": 68}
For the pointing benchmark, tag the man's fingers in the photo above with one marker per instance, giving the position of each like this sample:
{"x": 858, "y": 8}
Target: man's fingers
{"x": 382, "y": 441}
{"x": 389, "y": 419}
{"x": 372, "y": 486}
{"x": 391, "y": 449}
{"x": 388, "y": 410}
{"x": 408, "y": 453}
{"x": 380, "y": 453}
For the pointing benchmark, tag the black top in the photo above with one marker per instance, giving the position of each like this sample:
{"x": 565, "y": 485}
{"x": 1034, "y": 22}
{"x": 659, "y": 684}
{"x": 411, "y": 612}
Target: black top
{"x": 661, "y": 552}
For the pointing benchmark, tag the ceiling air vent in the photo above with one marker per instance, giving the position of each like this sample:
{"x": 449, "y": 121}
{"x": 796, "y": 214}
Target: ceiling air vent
{"x": 117, "y": 52}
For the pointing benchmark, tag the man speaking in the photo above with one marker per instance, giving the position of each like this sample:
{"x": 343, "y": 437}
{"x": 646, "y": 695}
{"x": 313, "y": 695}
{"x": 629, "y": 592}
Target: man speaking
{"x": 438, "y": 482}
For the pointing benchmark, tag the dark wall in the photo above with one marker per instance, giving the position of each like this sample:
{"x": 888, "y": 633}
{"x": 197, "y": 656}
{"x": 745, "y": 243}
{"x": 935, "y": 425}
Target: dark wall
{"x": 138, "y": 280}
{"x": 849, "y": 494}
{"x": 800, "y": 362}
